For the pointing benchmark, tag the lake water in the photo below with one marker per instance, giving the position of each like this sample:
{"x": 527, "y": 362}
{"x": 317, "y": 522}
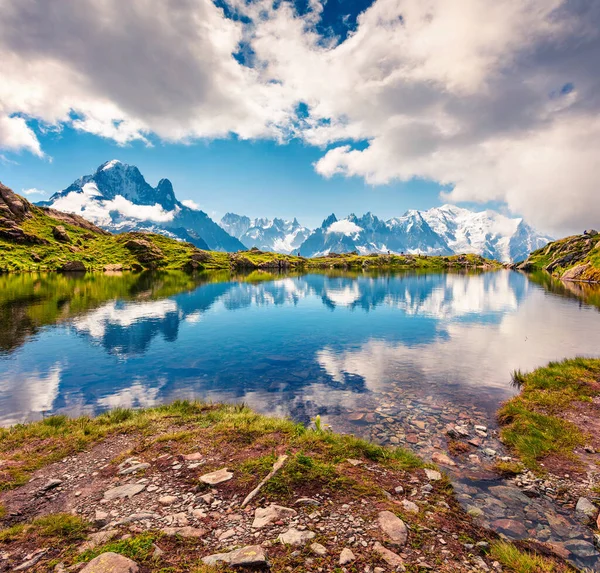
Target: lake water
{"x": 392, "y": 357}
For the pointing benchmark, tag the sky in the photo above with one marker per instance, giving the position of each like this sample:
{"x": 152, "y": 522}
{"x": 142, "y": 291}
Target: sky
{"x": 280, "y": 108}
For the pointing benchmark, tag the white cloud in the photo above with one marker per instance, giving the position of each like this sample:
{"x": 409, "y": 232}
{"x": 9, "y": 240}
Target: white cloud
{"x": 191, "y": 204}
{"x": 496, "y": 100}
{"x": 33, "y": 191}
{"x": 99, "y": 210}
{"x": 345, "y": 227}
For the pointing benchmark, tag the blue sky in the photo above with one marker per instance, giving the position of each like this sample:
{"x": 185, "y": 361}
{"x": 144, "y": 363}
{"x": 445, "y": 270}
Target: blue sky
{"x": 254, "y": 178}
{"x": 303, "y": 108}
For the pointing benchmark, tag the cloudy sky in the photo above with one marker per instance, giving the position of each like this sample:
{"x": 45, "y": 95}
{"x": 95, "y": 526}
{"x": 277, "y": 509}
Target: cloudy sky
{"x": 280, "y": 108}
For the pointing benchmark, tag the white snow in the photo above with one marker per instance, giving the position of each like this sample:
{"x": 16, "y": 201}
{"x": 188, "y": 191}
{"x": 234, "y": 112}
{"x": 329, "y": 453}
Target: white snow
{"x": 112, "y": 163}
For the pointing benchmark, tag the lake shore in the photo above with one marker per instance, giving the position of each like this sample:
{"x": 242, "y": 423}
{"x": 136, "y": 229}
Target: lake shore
{"x": 165, "y": 487}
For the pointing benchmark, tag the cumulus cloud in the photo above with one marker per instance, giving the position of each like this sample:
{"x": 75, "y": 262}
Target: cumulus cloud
{"x": 345, "y": 227}
{"x": 191, "y": 204}
{"x": 494, "y": 100}
{"x": 99, "y": 211}
{"x": 33, "y": 191}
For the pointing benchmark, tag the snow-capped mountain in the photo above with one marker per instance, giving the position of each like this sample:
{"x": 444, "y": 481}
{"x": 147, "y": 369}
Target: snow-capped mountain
{"x": 266, "y": 234}
{"x": 117, "y": 198}
{"x": 439, "y": 231}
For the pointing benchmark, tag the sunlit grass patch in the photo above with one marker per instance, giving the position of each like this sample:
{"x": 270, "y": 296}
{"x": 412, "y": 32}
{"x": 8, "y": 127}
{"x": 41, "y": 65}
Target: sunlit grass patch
{"x": 60, "y": 526}
{"x": 517, "y": 561}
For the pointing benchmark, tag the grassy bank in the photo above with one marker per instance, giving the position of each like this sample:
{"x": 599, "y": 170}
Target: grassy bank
{"x": 548, "y": 419}
{"x": 343, "y": 480}
{"x": 575, "y": 258}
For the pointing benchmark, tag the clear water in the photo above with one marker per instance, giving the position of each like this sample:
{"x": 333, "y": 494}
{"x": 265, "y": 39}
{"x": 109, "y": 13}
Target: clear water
{"x": 386, "y": 356}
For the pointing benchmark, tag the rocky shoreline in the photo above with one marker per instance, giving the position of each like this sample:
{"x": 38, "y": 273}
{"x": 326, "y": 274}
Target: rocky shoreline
{"x": 166, "y": 491}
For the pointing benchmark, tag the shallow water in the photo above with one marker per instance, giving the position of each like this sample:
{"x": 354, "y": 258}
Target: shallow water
{"x": 392, "y": 357}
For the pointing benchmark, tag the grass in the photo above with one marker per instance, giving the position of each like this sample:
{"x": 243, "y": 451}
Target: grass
{"x": 27, "y": 447}
{"x": 533, "y": 423}
{"x": 138, "y": 548}
{"x": 517, "y": 561}
{"x": 60, "y": 526}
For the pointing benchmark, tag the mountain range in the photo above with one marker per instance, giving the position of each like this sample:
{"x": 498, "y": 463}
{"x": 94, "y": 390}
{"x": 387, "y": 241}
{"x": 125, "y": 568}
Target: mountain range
{"x": 117, "y": 198}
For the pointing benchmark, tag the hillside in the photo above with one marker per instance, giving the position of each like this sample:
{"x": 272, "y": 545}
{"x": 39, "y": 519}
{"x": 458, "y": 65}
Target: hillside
{"x": 575, "y": 258}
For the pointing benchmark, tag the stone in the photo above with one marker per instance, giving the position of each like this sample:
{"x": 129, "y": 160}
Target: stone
{"x": 586, "y": 510}
{"x": 73, "y": 267}
{"x": 196, "y": 456}
{"x": 307, "y": 501}
{"x": 510, "y": 527}
{"x": 346, "y": 556}
{"x": 354, "y": 462}
{"x": 190, "y": 532}
{"x": 410, "y": 506}
{"x": 60, "y": 234}
{"x": 474, "y": 511}
{"x": 167, "y": 499}
{"x": 100, "y": 518}
{"x": 32, "y": 560}
{"x": 122, "y": 491}
{"x": 393, "y": 527}
{"x": 295, "y": 537}
{"x": 442, "y": 459}
{"x": 99, "y": 538}
{"x": 217, "y": 477}
{"x": 433, "y": 475}
{"x": 51, "y": 484}
{"x": 481, "y": 564}
{"x": 264, "y": 516}
{"x": 252, "y": 555}
{"x": 580, "y": 548}
{"x": 133, "y": 469}
{"x": 111, "y": 563}
{"x": 393, "y": 560}
{"x": 318, "y": 549}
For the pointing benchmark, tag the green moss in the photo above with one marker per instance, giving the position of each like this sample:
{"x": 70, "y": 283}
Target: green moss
{"x": 532, "y": 423}
{"x": 61, "y": 526}
{"x": 139, "y": 548}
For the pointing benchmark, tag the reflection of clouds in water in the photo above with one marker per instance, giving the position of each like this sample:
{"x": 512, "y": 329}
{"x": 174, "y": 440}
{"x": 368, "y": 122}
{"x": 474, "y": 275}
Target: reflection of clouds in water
{"x": 473, "y": 354}
{"x": 122, "y": 314}
{"x": 277, "y": 292}
{"x": 460, "y": 296}
{"x": 343, "y": 296}
{"x": 138, "y": 395}
{"x": 28, "y": 393}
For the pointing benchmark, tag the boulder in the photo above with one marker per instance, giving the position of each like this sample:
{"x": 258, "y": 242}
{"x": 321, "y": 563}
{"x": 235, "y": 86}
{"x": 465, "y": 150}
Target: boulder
{"x": 217, "y": 477}
{"x": 393, "y": 560}
{"x": 112, "y": 268}
{"x": 251, "y": 556}
{"x": 111, "y": 563}
{"x": 346, "y": 556}
{"x": 122, "y": 491}
{"x": 586, "y": 510}
{"x": 296, "y": 537}
{"x": 393, "y": 527}
{"x": 264, "y": 516}
{"x": 590, "y": 232}
{"x": 73, "y": 267}
{"x": 318, "y": 549}
{"x": 60, "y": 234}
{"x": 145, "y": 251}
{"x": 576, "y": 273}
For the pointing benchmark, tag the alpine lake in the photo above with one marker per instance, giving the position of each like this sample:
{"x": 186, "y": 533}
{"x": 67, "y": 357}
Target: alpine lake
{"x": 395, "y": 358}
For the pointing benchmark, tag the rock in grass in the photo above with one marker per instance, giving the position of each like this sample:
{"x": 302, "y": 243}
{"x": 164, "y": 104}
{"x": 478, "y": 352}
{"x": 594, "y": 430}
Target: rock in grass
{"x": 410, "y": 506}
{"x": 296, "y": 537}
{"x": 264, "y": 516}
{"x": 253, "y": 555}
{"x": 433, "y": 475}
{"x": 122, "y": 491}
{"x": 393, "y": 560}
{"x": 111, "y": 563}
{"x": 318, "y": 549}
{"x": 393, "y": 527}
{"x": 346, "y": 556}
{"x": 99, "y": 538}
{"x": 217, "y": 477}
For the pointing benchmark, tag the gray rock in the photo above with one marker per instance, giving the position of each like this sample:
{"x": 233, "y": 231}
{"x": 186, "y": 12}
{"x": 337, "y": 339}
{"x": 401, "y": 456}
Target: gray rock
{"x": 393, "y": 527}
{"x": 99, "y": 538}
{"x": 217, "y": 477}
{"x": 253, "y": 555}
{"x": 31, "y": 562}
{"x": 133, "y": 469}
{"x": 433, "y": 475}
{"x": 307, "y": 501}
{"x": 122, "y": 491}
{"x": 318, "y": 549}
{"x": 51, "y": 484}
{"x": 580, "y": 548}
{"x": 410, "y": 506}
{"x": 111, "y": 563}
{"x": 295, "y": 537}
{"x": 184, "y": 531}
{"x": 480, "y": 564}
{"x": 346, "y": 556}
{"x": 264, "y": 516}
{"x": 393, "y": 560}
{"x": 586, "y": 510}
